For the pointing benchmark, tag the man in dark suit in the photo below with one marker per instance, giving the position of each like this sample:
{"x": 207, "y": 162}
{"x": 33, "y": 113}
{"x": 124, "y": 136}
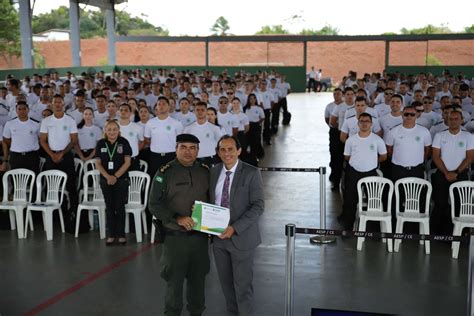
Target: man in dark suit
{"x": 238, "y": 186}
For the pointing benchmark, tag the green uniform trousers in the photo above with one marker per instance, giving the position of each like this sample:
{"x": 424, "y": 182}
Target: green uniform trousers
{"x": 185, "y": 257}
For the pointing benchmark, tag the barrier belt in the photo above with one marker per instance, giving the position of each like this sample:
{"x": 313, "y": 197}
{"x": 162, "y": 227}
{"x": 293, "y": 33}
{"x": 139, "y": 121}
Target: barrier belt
{"x": 290, "y": 169}
{"x": 377, "y": 235}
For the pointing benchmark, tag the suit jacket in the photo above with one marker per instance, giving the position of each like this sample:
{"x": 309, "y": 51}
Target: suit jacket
{"x": 246, "y": 205}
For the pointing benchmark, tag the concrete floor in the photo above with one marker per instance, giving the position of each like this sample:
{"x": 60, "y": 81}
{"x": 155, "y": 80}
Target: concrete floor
{"x": 71, "y": 276}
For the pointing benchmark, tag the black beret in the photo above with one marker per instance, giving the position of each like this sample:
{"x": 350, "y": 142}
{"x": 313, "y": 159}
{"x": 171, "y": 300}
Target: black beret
{"x": 187, "y": 138}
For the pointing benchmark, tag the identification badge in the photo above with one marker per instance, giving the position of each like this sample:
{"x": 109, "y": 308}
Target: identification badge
{"x": 103, "y": 150}
{"x": 111, "y": 165}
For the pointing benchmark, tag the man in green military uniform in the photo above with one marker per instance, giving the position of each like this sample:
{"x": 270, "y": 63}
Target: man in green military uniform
{"x": 184, "y": 255}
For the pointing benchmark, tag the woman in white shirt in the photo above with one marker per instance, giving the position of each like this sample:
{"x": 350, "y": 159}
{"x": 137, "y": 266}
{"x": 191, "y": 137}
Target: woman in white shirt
{"x": 88, "y": 135}
{"x": 144, "y": 115}
{"x": 243, "y": 129}
{"x": 256, "y": 117}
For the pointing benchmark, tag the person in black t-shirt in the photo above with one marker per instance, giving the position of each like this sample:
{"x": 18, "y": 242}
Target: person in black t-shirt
{"x": 113, "y": 155}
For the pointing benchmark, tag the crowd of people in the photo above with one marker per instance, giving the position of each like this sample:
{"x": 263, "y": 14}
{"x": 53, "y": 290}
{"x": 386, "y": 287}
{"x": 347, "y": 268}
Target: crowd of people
{"x": 405, "y": 126}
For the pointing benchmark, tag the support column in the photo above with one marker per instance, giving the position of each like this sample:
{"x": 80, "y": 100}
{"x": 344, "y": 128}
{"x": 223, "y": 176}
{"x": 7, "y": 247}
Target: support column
{"x": 387, "y": 54}
{"x": 26, "y": 34}
{"x": 75, "y": 34}
{"x": 110, "y": 19}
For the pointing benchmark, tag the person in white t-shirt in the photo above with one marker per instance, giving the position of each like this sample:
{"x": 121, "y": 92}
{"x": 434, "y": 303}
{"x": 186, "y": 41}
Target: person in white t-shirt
{"x": 160, "y": 133}
{"x": 351, "y": 124}
{"x": 383, "y": 108}
{"x": 88, "y": 135}
{"x": 256, "y": 117}
{"x": 185, "y": 116}
{"x": 226, "y": 119}
{"x": 363, "y": 152}
{"x": 428, "y": 117}
{"x": 267, "y": 101}
{"x": 311, "y": 80}
{"x": 277, "y": 97}
{"x": 207, "y": 133}
{"x": 409, "y": 145}
{"x": 133, "y": 133}
{"x": 58, "y": 136}
{"x": 21, "y": 141}
{"x": 101, "y": 114}
{"x": 80, "y": 105}
{"x": 453, "y": 153}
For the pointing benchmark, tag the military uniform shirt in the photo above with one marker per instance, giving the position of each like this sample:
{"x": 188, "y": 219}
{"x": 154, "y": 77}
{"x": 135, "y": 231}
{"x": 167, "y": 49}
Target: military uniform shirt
{"x": 453, "y": 147}
{"x": 88, "y": 137}
{"x": 408, "y": 145}
{"x": 162, "y": 134}
{"x": 59, "y": 131}
{"x": 174, "y": 190}
{"x": 364, "y": 151}
{"x": 24, "y": 135}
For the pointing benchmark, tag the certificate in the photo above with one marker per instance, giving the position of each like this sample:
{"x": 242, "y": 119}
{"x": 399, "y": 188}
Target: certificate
{"x": 209, "y": 218}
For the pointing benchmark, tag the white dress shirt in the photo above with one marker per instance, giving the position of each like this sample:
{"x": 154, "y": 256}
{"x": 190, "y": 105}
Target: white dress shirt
{"x": 220, "y": 183}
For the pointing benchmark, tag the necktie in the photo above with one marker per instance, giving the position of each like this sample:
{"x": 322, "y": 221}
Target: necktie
{"x": 225, "y": 190}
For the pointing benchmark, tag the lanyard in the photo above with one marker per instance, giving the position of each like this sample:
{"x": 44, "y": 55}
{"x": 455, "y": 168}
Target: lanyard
{"x": 111, "y": 155}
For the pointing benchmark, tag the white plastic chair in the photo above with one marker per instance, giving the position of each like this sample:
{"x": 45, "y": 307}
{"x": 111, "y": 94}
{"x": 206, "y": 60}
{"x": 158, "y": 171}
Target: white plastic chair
{"x": 137, "y": 202}
{"x": 412, "y": 189}
{"x": 95, "y": 203}
{"x": 465, "y": 192}
{"x": 55, "y": 183}
{"x": 22, "y": 184}
{"x": 143, "y": 166}
{"x": 374, "y": 188}
{"x": 89, "y": 165}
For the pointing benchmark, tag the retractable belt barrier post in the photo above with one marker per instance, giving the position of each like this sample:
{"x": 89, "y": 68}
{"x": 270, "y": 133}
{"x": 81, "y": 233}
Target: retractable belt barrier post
{"x": 318, "y": 239}
{"x": 291, "y": 230}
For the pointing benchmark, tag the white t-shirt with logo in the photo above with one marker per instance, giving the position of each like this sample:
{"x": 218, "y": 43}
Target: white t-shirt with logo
{"x": 453, "y": 147}
{"x": 134, "y": 134}
{"x": 89, "y": 136}
{"x": 185, "y": 119}
{"x": 59, "y": 131}
{"x": 162, "y": 134}
{"x": 208, "y": 134}
{"x": 24, "y": 135}
{"x": 364, "y": 151}
{"x": 228, "y": 122}
{"x": 408, "y": 145}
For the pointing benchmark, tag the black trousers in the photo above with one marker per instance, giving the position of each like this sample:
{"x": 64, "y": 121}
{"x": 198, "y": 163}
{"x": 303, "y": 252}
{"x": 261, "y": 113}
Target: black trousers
{"x": 351, "y": 199}
{"x": 276, "y": 116}
{"x": 66, "y": 165}
{"x": 266, "y": 126}
{"x": 311, "y": 84}
{"x": 284, "y": 105}
{"x": 336, "y": 151}
{"x": 254, "y": 140}
{"x": 158, "y": 160}
{"x": 28, "y": 160}
{"x": 440, "y": 218}
{"x": 134, "y": 164}
{"x": 115, "y": 197}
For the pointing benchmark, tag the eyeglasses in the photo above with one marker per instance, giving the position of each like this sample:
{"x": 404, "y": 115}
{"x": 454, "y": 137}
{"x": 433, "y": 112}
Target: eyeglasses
{"x": 409, "y": 114}
{"x": 388, "y": 93}
{"x": 419, "y": 111}
{"x": 230, "y": 92}
{"x": 427, "y": 102}
{"x": 223, "y": 102}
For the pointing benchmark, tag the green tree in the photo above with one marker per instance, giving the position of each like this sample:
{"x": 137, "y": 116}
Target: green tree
{"x": 272, "y": 29}
{"x": 9, "y": 32}
{"x": 428, "y": 29}
{"x": 326, "y": 30}
{"x": 220, "y": 27}
{"x": 469, "y": 29}
{"x": 432, "y": 60}
{"x": 93, "y": 23}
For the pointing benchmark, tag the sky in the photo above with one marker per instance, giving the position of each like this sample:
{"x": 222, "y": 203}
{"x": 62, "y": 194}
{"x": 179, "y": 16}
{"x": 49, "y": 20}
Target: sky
{"x": 246, "y": 17}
